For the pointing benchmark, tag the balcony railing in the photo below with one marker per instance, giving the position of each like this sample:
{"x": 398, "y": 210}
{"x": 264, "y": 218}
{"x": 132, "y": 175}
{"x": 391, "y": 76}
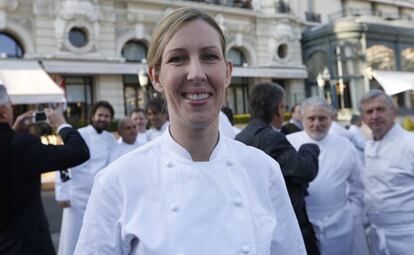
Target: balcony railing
{"x": 313, "y": 17}
{"x": 353, "y": 12}
{"x": 247, "y": 4}
{"x": 282, "y": 7}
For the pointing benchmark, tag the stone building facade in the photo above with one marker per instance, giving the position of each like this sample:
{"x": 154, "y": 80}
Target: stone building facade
{"x": 96, "y": 48}
{"x": 347, "y": 38}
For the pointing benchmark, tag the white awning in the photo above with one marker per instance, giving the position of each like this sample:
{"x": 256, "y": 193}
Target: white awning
{"x": 108, "y": 68}
{"x": 28, "y": 83}
{"x": 394, "y": 82}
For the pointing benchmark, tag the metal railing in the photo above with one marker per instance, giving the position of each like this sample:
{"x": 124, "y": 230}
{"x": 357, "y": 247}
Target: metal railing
{"x": 247, "y": 4}
{"x": 354, "y": 12}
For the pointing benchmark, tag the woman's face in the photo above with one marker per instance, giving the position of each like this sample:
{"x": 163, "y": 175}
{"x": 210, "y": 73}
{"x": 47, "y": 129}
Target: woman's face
{"x": 193, "y": 75}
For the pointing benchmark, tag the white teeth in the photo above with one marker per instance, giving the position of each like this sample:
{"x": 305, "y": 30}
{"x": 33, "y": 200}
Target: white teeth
{"x": 201, "y": 96}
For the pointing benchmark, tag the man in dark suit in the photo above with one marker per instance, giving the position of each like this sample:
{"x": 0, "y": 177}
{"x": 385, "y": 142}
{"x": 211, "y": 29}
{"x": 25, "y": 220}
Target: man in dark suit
{"x": 298, "y": 168}
{"x": 295, "y": 123}
{"x": 24, "y": 228}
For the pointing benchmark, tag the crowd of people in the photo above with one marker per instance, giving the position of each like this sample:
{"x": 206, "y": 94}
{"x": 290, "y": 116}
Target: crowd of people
{"x": 182, "y": 180}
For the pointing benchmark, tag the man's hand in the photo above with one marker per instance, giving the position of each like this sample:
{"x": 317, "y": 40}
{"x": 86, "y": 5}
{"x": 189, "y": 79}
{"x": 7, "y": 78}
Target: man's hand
{"x": 23, "y": 122}
{"x": 54, "y": 118}
{"x": 64, "y": 204}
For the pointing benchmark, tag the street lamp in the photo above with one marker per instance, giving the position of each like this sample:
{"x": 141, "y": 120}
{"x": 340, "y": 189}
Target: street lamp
{"x": 321, "y": 79}
{"x": 143, "y": 78}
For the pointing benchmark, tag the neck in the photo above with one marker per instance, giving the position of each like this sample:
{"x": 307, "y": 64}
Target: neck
{"x": 200, "y": 143}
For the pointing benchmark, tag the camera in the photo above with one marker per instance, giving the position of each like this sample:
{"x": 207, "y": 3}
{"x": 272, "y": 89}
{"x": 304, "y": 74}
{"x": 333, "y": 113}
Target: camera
{"x": 39, "y": 117}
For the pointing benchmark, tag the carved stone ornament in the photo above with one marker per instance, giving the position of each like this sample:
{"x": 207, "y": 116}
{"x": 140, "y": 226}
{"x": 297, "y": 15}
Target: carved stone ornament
{"x": 84, "y": 13}
{"x": 8, "y": 5}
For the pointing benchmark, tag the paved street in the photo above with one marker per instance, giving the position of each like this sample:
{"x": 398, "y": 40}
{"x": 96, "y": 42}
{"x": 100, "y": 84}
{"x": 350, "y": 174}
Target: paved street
{"x": 53, "y": 213}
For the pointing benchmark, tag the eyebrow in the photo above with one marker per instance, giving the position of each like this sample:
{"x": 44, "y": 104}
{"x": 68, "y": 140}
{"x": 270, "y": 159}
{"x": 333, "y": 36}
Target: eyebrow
{"x": 184, "y": 49}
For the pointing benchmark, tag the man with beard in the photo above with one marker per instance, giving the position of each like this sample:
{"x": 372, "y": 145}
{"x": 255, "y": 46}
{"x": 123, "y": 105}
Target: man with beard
{"x": 335, "y": 196}
{"x": 73, "y": 194}
{"x": 267, "y": 108}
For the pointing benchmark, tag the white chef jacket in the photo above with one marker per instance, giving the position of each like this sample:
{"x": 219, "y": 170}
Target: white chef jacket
{"x": 336, "y": 194}
{"x": 225, "y": 127}
{"x": 123, "y": 148}
{"x": 156, "y": 200}
{"x": 389, "y": 195}
{"x": 153, "y": 133}
{"x": 78, "y": 188}
{"x": 142, "y": 138}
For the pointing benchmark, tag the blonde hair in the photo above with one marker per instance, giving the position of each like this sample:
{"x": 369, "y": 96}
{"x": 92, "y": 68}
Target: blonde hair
{"x": 170, "y": 24}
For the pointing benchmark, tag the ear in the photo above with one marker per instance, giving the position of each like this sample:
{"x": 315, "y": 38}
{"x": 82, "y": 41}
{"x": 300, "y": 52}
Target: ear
{"x": 229, "y": 71}
{"x": 155, "y": 79}
{"x": 3, "y": 112}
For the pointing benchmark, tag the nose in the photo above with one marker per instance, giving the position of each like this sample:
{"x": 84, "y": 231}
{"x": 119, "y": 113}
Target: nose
{"x": 196, "y": 71}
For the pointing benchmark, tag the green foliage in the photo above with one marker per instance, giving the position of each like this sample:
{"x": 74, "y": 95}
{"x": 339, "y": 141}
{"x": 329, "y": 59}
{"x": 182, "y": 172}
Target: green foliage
{"x": 408, "y": 124}
{"x": 241, "y": 118}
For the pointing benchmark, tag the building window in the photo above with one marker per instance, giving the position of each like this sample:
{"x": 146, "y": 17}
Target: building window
{"x": 237, "y": 57}
{"x": 381, "y": 57}
{"x": 78, "y": 37}
{"x": 10, "y": 47}
{"x": 282, "y": 50}
{"x": 134, "y": 95}
{"x": 134, "y": 51}
{"x": 79, "y": 99}
{"x": 237, "y": 95}
{"x": 407, "y": 59}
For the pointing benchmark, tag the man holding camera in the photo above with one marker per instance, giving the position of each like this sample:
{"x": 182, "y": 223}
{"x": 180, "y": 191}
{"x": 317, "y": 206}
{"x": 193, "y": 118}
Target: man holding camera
{"x": 23, "y": 225}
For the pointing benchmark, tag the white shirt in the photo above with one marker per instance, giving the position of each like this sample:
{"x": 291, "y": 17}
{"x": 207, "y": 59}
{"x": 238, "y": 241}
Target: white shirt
{"x": 78, "y": 188}
{"x": 225, "y": 127}
{"x": 390, "y": 173}
{"x": 339, "y": 171}
{"x": 156, "y": 200}
{"x": 153, "y": 132}
{"x": 123, "y": 148}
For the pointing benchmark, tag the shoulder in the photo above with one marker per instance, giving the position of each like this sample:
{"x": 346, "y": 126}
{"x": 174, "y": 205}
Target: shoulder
{"x": 133, "y": 165}
{"x": 250, "y": 156}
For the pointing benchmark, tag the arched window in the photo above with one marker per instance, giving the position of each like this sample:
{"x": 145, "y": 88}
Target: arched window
{"x": 407, "y": 59}
{"x": 134, "y": 51}
{"x": 237, "y": 57}
{"x": 10, "y": 47}
{"x": 381, "y": 57}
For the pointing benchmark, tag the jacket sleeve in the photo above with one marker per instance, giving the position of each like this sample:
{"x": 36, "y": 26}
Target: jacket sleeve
{"x": 302, "y": 164}
{"x": 287, "y": 238}
{"x": 33, "y": 157}
{"x": 101, "y": 232}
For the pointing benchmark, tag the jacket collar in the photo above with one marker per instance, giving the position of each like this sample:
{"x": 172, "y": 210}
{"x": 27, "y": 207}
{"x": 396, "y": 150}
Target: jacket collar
{"x": 5, "y": 127}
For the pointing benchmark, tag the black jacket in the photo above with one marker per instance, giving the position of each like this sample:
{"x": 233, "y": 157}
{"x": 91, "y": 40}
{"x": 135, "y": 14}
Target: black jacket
{"x": 26, "y": 229}
{"x": 298, "y": 167}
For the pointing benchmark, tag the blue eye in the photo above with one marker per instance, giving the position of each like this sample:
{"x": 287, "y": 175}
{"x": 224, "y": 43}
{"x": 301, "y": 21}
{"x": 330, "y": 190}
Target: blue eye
{"x": 177, "y": 59}
{"x": 211, "y": 57}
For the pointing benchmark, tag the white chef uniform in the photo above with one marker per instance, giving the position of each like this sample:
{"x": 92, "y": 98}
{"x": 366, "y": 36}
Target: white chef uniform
{"x": 153, "y": 133}
{"x": 389, "y": 194}
{"x": 335, "y": 195}
{"x": 78, "y": 188}
{"x": 156, "y": 200}
{"x": 123, "y": 148}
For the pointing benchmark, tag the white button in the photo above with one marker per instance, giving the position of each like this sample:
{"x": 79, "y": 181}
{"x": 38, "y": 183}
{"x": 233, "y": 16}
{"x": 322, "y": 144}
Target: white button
{"x": 229, "y": 163}
{"x": 169, "y": 164}
{"x": 237, "y": 202}
{"x": 246, "y": 249}
{"x": 174, "y": 207}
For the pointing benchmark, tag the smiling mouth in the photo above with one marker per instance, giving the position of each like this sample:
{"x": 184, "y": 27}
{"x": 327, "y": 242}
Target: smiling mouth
{"x": 196, "y": 96}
